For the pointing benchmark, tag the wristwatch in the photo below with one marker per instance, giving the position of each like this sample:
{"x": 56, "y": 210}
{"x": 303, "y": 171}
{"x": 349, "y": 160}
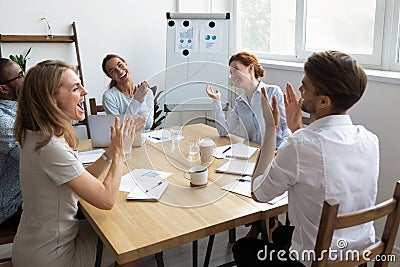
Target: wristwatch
{"x": 106, "y": 158}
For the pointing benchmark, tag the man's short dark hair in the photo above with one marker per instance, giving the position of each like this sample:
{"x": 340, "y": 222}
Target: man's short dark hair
{"x": 338, "y": 76}
{"x": 4, "y": 69}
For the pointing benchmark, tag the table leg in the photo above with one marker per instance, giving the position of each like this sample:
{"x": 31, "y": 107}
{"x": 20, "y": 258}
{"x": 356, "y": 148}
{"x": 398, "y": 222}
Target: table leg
{"x": 232, "y": 235}
{"x": 194, "y": 253}
{"x": 264, "y": 224}
{"x": 99, "y": 252}
{"x": 209, "y": 250}
{"x": 159, "y": 259}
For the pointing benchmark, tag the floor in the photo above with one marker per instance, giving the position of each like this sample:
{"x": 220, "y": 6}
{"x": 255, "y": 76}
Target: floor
{"x": 182, "y": 256}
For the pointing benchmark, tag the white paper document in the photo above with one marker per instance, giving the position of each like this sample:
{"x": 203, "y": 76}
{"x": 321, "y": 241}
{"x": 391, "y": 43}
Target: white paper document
{"x": 144, "y": 184}
{"x": 240, "y": 167}
{"x": 158, "y": 136}
{"x": 238, "y": 151}
{"x": 243, "y": 187}
{"x": 88, "y": 157}
{"x": 153, "y": 193}
{"x": 240, "y": 186}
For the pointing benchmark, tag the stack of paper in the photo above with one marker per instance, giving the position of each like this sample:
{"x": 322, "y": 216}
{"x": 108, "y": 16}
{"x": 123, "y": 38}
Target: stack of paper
{"x": 144, "y": 185}
{"x": 88, "y": 157}
{"x": 158, "y": 136}
{"x": 238, "y": 151}
{"x": 243, "y": 187}
{"x": 239, "y": 167}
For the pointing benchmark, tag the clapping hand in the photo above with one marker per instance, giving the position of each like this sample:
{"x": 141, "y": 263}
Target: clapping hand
{"x": 271, "y": 114}
{"x": 140, "y": 123}
{"x": 141, "y": 91}
{"x": 117, "y": 137}
{"x": 129, "y": 131}
{"x": 210, "y": 92}
{"x": 271, "y": 119}
{"x": 293, "y": 109}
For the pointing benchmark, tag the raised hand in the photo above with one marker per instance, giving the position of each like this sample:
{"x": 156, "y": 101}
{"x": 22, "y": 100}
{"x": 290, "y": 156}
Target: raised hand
{"x": 117, "y": 137}
{"x": 210, "y": 92}
{"x": 271, "y": 116}
{"x": 139, "y": 123}
{"x": 141, "y": 91}
{"x": 293, "y": 109}
{"x": 129, "y": 131}
{"x": 274, "y": 109}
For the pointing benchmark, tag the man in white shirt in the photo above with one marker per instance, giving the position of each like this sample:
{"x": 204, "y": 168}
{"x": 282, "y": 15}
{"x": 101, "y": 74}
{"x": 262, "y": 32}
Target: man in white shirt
{"x": 331, "y": 158}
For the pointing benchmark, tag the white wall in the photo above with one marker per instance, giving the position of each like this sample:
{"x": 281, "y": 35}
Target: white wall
{"x": 134, "y": 29}
{"x": 137, "y": 30}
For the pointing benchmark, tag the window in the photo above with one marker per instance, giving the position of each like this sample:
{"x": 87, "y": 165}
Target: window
{"x": 291, "y": 30}
{"x": 267, "y": 27}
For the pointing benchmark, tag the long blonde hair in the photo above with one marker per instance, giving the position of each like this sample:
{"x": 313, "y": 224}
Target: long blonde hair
{"x": 37, "y": 107}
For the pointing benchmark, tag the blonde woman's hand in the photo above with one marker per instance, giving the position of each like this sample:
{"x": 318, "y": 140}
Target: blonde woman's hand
{"x": 214, "y": 95}
{"x": 116, "y": 138}
{"x": 128, "y": 133}
{"x": 140, "y": 123}
{"x": 293, "y": 109}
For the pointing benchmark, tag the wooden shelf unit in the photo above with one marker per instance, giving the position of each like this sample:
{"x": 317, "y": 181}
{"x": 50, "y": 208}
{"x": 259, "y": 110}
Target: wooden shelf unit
{"x": 52, "y": 39}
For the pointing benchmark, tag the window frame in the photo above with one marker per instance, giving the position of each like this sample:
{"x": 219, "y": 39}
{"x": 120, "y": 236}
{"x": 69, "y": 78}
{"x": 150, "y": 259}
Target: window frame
{"x": 386, "y": 50}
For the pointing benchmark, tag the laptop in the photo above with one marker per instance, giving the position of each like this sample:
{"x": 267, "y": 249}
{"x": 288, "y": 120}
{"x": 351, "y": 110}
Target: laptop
{"x": 99, "y": 126}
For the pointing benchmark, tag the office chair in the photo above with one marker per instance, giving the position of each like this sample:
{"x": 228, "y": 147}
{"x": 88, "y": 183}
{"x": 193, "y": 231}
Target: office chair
{"x": 331, "y": 220}
{"x": 94, "y": 108}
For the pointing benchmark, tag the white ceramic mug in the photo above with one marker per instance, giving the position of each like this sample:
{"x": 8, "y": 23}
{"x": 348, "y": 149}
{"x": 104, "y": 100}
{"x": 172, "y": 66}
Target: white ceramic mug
{"x": 206, "y": 150}
{"x": 198, "y": 176}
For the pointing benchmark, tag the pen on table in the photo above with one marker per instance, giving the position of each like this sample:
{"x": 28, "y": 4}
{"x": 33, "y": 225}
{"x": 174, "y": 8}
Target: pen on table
{"x": 155, "y": 137}
{"x": 243, "y": 180}
{"x": 226, "y": 150}
{"x": 159, "y": 183}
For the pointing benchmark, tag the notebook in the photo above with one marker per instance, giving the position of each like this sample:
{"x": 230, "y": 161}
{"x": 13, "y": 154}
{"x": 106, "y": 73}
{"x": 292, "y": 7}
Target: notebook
{"x": 240, "y": 167}
{"x": 147, "y": 191}
{"x": 88, "y": 157}
{"x": 237, "y": 151}
{"x": 99, "y": 126}
{"x": 144, "y": 184}
{"x": 243, "y": 187}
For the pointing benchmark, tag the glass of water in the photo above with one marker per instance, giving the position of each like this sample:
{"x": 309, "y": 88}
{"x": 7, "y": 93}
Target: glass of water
{"x": 176, "y": 133}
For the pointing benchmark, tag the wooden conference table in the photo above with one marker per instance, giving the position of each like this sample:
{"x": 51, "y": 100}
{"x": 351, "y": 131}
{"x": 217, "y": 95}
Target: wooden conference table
{"x": 134, "y": 229}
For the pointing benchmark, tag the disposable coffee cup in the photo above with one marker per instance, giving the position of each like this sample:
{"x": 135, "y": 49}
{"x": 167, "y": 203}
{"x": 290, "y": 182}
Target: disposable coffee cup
{"x": 206, "y": 150}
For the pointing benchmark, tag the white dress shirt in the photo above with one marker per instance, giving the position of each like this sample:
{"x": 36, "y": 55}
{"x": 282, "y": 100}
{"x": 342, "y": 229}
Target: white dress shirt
{"x": 331, "y": 158}
{"x": 246, "y": 119}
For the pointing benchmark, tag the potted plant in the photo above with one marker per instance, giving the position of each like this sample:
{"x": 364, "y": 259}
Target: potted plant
{"x": 21, "y": 59}
{"x": 157, "y": 111}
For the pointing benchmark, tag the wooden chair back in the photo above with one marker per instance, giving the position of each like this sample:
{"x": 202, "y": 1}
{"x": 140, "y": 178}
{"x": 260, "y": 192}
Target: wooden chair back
{"x": 7, "y": 235}
{"x": 94, "y": 108}
{"x": 331, "y": 220}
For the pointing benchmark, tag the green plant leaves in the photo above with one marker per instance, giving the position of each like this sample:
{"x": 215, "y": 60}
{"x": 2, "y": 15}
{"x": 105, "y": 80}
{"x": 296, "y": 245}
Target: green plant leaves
{"x": 21, "y": 59}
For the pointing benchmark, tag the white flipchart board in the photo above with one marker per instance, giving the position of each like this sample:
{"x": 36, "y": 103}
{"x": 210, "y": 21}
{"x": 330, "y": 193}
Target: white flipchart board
{"x": 197, "y": 54}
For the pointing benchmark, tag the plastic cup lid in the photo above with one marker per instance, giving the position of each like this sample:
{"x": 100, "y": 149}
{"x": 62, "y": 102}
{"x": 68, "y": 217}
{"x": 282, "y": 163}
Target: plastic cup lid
{"x": 206, "y": 142}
